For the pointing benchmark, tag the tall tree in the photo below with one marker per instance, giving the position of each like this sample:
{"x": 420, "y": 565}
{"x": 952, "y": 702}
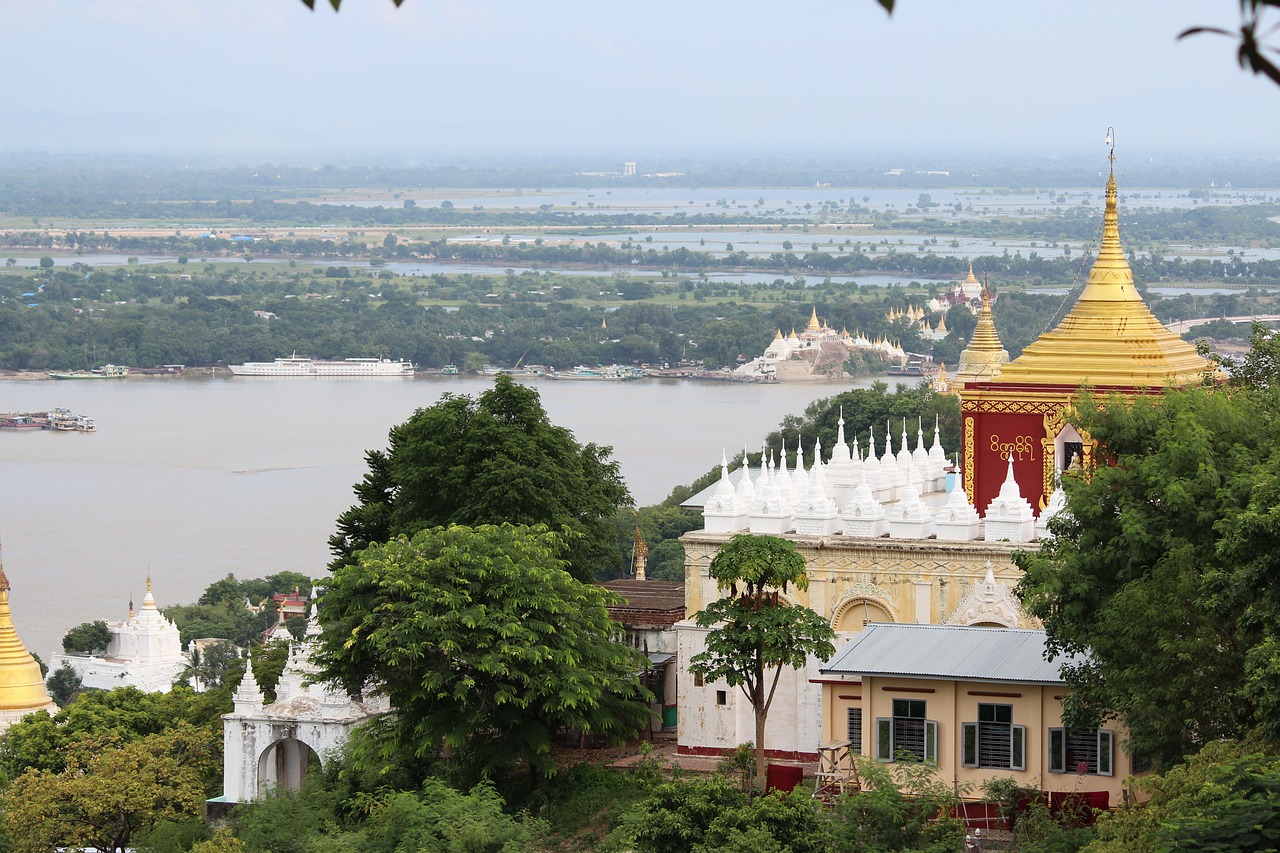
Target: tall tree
{"x": 482, "y": 641}
{"x": 757, "y": 633}
{"x": 110, "y": 791}
{"x": 1165, "y": 571}
{"x": 493, "y": 459}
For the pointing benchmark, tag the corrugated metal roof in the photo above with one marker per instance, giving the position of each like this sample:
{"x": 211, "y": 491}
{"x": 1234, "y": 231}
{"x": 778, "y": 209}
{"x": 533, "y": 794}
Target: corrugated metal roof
{"x": 948, "y": 651}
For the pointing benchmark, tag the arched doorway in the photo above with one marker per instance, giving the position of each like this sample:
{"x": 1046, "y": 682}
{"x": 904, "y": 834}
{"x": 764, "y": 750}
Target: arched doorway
{"x": 854, "y": 614}
{"x": 284, "y": 765}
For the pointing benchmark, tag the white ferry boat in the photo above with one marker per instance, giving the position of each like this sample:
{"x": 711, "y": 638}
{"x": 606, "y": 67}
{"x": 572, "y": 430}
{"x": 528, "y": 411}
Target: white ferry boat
{"x": 299, "y": 366}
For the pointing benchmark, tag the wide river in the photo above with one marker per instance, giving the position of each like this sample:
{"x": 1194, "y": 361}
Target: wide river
{"x": 190, "y": 479}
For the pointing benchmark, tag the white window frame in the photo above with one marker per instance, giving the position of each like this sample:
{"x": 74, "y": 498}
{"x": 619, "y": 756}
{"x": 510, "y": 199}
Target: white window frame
{"x": 886, "y": 749}
{"x": 971, "y": 742}
{"x": 853, "y": 723}
{"x": 1057, "y": 746}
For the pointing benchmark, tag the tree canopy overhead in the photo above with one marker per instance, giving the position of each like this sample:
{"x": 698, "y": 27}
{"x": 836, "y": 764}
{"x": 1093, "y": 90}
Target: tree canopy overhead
{"x": 482, "y": 641}
{"x": 491, "y": 459}
{"x": 1165, "y": 566}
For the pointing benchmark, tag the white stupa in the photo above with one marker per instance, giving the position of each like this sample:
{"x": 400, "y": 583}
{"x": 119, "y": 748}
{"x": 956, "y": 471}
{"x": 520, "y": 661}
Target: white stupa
{"x": 817, "y": 514}
{"x": 724, "y": 513}
{"x": 909, "y": 518}
{"x": 957, "y": 520}
{"x": 1009, "y": 515}
{"x": 145, "y": 651}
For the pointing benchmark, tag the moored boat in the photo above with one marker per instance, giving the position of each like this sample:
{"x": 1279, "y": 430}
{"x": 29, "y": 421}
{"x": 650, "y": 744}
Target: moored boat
{"x": 295, "y": 365}
{"x": 614, "y": 373}
{"x": 107, "y": 371}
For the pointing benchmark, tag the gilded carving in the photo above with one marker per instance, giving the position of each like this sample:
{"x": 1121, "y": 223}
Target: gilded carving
{"x": 969, "y": 457}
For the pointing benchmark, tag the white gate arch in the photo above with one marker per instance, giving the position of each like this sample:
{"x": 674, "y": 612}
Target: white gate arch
{"x": 269, "y": 746}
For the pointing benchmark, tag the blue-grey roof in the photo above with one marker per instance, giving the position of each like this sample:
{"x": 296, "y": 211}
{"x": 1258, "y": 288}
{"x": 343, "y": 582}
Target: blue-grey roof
{"x": 948, "y": 651}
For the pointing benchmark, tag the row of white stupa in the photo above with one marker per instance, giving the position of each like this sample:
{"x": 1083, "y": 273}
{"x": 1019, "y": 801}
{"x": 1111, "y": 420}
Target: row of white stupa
{"x": 870, "y": 497}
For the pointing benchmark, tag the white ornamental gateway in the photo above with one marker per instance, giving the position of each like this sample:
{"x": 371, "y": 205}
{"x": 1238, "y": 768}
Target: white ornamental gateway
{"x": 269, "y": 746}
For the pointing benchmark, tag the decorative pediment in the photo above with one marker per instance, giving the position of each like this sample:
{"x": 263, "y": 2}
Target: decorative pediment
{"x": 988, "y": 602}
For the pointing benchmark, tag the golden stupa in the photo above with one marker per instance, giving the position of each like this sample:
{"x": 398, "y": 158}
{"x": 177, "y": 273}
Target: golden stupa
{"x": 985, "y": 356}
{"x": 1110, "y": 338}
{"x": 22, "y": 687}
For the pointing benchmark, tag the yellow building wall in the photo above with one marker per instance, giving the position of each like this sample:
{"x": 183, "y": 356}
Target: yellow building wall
{"x": 952, "y": 703}
{"x": 911, "y": 580}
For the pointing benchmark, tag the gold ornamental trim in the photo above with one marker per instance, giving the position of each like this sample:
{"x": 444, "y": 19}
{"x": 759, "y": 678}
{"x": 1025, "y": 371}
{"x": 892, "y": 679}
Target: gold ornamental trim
{"x": 969, "y": 458}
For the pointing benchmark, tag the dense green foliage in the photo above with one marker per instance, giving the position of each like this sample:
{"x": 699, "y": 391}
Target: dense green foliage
{"x": 40, "y": 741}
{"x": 1164, "y": 568}
{"x": 482, "y": 642}
{"x": 492, "y": 459}
{"x": 236, "y": 610}
{"x": 111, "y": 789}
{"x": 89, "y": 638}
{"x": 755, "y": 631}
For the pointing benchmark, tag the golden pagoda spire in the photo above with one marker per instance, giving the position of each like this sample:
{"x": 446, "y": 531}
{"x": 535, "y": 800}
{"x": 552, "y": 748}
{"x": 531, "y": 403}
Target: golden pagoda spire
{"x": 21, "y": 684}
{"x": 813, "y": 321}
{"x": 985, "y": 355}
{"x": 1109, "y": 337}
{"x": 640, "y": 551}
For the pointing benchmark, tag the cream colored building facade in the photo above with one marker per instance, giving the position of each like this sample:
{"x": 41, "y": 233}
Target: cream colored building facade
{"x": 983, "y": 704}
{"x": 852, "y": 582}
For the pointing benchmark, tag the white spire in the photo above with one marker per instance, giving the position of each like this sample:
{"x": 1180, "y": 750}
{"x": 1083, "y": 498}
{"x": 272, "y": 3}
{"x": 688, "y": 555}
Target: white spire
{"x": 1009, "y": 515}
{"x": 863, "y": 516}
{"x": 1057, "y": 503}
{"x": 719, "y": 513}
{"x": 920, "y": 456}
{"x": 937, "y": 456}
{"x": 746, "y": 492}
{"x": 957, "y": 520}
{"x": 248, "y": 696}
{"x": 817, "y": 514}
{"x": 783, "y": 479}
{"x": 904, "y": 455}
{"x": 799, "y": 477}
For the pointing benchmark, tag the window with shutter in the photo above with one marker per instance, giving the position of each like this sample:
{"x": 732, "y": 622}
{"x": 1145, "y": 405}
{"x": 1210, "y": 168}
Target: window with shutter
{"x": 854, "y": 722}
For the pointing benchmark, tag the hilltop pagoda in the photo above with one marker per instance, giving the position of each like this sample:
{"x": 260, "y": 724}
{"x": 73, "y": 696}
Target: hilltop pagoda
{"x": 1109, "y": 342}
{"x": 22, "y": 689}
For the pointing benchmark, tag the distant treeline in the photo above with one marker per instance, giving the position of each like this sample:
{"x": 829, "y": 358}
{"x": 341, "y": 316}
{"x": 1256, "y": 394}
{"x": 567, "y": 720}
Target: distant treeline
{"x": 41, "y": 184}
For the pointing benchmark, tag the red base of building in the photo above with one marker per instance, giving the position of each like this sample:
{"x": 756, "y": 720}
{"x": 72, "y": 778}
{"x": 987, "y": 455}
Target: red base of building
{"x": 718, "y": 752}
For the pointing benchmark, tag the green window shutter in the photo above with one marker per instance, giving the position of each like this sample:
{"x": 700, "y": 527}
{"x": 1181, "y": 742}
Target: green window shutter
{"x": 968, "y": 744}
{"x": 1105, "y": 742}
{"x": 1057, "y": 750}
{"x": 884, "y": 738}
{"x": 931, "y": 741}
{"x": 1018, "y": 748}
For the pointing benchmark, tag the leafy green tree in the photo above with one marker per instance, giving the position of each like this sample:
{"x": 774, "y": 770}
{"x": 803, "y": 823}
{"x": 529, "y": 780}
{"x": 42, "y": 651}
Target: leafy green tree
{"x": 209, "y": 668}
{"x": 757, "y": 633}
{"x": 492, "y": 459}
{"x": 127, "y": 714}
{"x": 63, "y": 684}
{"x": 1224, "y": 797}
{"x": 88, "y": 638}
{"x": 111, "y": 790}
{"x": 714, "y": 816}
{"x": 482, "y": 641}
{"x": 1165, "y": 571}
{"x": 440, "y": 818}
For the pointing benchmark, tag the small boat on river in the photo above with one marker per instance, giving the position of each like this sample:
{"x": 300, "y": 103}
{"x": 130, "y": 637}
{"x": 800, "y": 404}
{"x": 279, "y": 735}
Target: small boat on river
{"x": 107, "y": 371}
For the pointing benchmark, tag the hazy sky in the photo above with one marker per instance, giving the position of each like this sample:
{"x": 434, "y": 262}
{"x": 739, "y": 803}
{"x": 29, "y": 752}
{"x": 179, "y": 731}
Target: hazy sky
{"x": 440, "y": 77}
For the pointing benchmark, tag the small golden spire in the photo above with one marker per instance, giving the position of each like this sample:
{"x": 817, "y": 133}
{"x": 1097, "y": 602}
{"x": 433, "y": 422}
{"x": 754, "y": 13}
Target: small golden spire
{"x": 813, "y": 320}
{"x": 148, "y": 582}
{"x": 639, "y": 551}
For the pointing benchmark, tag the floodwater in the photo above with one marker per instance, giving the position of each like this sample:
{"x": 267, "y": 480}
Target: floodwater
{"x": 189, "y": 479}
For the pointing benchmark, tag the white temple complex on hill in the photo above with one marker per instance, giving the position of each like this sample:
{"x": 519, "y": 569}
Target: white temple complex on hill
{"x": 145, "y": 652}
{"x": 904, "y": 541}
